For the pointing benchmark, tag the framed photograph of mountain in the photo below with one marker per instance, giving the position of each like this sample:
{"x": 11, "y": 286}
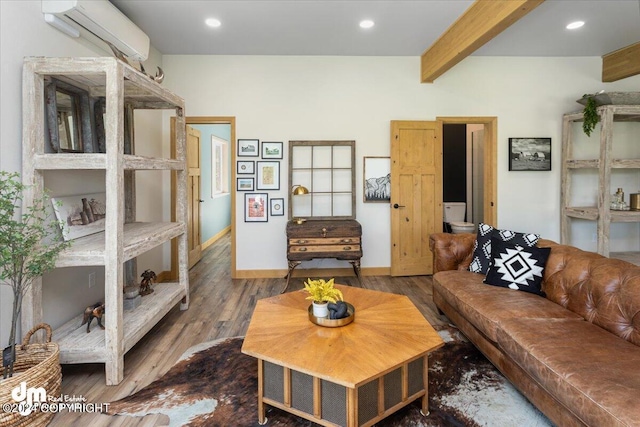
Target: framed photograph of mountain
{"x": 377, "y": 180}
{"x": 248, "y": 148}
{"x": 272, "y": 150}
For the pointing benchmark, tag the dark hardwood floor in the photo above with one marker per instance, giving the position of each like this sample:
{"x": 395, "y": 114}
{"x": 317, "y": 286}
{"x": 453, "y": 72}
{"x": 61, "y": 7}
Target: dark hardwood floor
{"x": 220, "y": 307}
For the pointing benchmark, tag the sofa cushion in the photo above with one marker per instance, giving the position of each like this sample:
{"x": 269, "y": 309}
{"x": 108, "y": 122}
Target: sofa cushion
{"x": 516, "y": 267}
{"x": 488, "y": 306}
{"x": 586, "y": 368}
{"x": 482, "y": 246}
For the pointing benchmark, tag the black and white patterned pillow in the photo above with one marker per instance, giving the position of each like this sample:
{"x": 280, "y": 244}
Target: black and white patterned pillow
{"x": 516, "y": 267}
{"x": 482, "y": 247}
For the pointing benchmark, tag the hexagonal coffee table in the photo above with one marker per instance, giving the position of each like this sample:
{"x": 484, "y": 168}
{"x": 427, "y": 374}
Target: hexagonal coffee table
{"x": 354, "y": 375}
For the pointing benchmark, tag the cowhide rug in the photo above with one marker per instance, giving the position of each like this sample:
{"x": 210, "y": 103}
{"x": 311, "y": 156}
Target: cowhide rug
{"x": 214, "y": 384}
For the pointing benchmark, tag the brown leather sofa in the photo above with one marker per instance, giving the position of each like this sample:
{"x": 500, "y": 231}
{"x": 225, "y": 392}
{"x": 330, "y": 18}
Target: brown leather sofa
{"x": 574, "y": 354}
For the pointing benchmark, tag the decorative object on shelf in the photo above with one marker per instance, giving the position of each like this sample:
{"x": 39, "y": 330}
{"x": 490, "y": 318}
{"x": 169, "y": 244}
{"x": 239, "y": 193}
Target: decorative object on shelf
{"x": 255, "y": 207}
{"x": 377, "y": 179}
{"x": 590, "y": 114}
{"x": 277, "y": 206}
{"x": 37, "y": 367}
{"x": 148, "y": 277}
{"x": 132, "y": 297}
{"x": 321, "y": 293}
{"x": 268, "y": 176}
{"x": 245, "y": 167}
{"x": 634, "y": 201}
{"x": 617, "y": 201}
{"x": 272, "y": 150}
{"x": 158, "y": 78}
{"x": 248, "y": 147}
{"x": 529, "y": 154}
{"x": 23, "y": 256}
{"x": 245, "y": 184}
{"x": 68, "y": 115}
{"x": 93, "y": 311}
{"x": 329, "y": 322}
{"x": 80, "y": 215}
{"x": 299, "y": 190}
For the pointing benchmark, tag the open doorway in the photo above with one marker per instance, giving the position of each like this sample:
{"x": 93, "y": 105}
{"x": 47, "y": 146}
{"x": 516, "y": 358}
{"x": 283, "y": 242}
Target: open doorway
{"x": 474, "y": 167}
{"x": 217, "y": 190}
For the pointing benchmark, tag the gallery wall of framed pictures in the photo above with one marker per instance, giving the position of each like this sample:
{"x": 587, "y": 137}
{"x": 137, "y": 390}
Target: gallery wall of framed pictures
{"x": 258, "y": 169}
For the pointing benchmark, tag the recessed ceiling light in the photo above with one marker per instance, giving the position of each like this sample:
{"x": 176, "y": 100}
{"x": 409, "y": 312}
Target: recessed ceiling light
{"x": 367, "y": 23}
{"x": 574, "y": 25}
{"x": 212, "y": 22}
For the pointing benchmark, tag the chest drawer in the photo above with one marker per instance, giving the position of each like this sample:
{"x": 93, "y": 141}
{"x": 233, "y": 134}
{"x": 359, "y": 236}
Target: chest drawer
{"x": 324, "y": 229}
{"x": 325, "y": 241}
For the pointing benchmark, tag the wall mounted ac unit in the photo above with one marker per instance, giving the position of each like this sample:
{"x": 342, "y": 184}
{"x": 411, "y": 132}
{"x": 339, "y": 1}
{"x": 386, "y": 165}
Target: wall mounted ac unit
{"x": 101, "y": 19}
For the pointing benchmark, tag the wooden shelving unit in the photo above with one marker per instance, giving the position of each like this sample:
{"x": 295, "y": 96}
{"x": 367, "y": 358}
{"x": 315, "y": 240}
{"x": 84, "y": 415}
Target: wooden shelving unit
{"x": 603, "y": 167}
{"x": 122, "y": 239}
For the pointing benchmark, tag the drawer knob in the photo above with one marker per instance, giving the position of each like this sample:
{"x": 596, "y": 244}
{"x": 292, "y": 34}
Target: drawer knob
{"x": 324, "y": 231}
{"x": 346, "y": 248}
{"x": 346, "y": 240}
{"x": 303, "y": 249}
{"x": 301, "y": 241}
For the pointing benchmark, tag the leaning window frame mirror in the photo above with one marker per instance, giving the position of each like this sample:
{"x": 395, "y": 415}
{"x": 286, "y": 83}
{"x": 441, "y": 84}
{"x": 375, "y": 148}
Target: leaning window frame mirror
{"x": 322, "y": 180}
{"x": 69, "y": 119}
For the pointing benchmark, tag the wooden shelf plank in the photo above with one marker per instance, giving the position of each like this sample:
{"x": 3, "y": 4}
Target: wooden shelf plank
{"x": 583, "y": 164}
{"x": 78, "y": 346}
{"x": 77, "y": 161}
{"x": 138, "y": 238}
{"x": 589, "y": 213}
{"x": 632, "y": 257}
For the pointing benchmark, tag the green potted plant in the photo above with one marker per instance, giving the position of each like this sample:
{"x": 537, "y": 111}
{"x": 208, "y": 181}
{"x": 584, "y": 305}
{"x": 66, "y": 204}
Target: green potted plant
{"x": 27, "y": 248}
{"x": 321, "y": 293}
{"x": 590, "y": 114}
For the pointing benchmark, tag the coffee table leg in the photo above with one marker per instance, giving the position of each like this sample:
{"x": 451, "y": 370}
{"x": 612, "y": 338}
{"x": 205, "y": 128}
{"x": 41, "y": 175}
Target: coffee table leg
{"x": 262, "y": 419}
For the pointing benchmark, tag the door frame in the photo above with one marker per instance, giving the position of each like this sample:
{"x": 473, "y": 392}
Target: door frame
{"x": 214, "y": 120}
{"x": 490, "y": 176}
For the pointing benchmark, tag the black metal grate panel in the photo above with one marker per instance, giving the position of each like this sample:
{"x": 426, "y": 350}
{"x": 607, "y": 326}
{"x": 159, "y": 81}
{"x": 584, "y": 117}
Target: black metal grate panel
{"x": 274, "y": 382}
{"x": 416, "y": 373}
{"x": 334, "y": 403}
{"x": 302, "y": 392}
{"x": 392, "y": 388}
{"x": 367, "y": 402}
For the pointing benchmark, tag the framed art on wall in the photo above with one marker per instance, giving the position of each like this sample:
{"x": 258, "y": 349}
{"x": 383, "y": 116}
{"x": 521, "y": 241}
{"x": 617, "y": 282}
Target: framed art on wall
{"x": 245, "y": 167}
{"x": 245, "y": 184}
{"x": 255, "y": 207}
{"x": 248, "y": 147}
{"x": 277, "y": 207}
{"x": 529, "y": 154}
{"x": 377, "y": 179}
{"x": 272, "y": 150}
{"x": 268, "y": 176}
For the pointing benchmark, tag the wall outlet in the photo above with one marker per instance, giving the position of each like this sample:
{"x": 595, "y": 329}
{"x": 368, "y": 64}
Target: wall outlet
{"x": 92, "y": 279}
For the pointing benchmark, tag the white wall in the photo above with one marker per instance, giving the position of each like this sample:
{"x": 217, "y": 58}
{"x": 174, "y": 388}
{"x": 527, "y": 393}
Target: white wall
{"x": 282, "y": 98}
{"x": 23, "y": 32}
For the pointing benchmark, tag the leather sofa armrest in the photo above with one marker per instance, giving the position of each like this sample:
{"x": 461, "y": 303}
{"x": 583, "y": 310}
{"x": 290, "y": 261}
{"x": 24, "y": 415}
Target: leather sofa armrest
{"x": 451, "y": 251}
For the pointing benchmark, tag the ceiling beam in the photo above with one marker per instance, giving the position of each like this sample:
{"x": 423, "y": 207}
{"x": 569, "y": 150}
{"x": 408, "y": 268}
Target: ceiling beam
{"x": 481, "y": 22}
{"x": 621, "y": 63}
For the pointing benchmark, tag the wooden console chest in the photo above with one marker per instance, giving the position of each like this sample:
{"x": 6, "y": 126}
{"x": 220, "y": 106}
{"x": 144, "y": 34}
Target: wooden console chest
{"x": 339, "y": 239}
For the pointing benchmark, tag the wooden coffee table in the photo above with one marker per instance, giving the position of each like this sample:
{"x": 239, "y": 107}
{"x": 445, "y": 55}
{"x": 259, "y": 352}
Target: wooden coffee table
{"x": 354, "y": 375}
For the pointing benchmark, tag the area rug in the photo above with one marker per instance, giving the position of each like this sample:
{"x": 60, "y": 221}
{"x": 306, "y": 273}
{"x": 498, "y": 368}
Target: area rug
{"x": 214, "y": 384}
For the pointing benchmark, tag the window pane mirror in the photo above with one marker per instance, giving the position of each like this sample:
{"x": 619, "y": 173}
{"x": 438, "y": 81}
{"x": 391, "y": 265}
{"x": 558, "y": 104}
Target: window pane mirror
{"x": 69, "y": 124}
{"x": 327, "y": 170}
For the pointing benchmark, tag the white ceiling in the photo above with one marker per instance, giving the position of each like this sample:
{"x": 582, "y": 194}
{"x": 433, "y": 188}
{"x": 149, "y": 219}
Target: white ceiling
{"x": 406, "y": 28}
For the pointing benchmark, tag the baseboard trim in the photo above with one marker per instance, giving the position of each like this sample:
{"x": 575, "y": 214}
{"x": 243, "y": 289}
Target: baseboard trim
{"x": 312, "y": 272}
{"x": 215, "y": 238}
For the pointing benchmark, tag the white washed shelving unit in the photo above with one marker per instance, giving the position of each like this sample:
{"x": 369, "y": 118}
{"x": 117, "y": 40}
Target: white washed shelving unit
{"x": 603, "y": 167}
{"x": 120, "y": 242}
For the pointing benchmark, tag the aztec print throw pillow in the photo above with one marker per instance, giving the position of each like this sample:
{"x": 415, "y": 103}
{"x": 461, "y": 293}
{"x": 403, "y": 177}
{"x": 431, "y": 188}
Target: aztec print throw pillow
{"x": 482, "y": 247}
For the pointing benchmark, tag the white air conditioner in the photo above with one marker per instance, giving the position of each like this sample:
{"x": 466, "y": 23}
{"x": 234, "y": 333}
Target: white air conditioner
{"x": 101, "y": 19}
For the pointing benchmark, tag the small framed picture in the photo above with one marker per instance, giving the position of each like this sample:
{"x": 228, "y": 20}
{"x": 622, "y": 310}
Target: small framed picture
{"x": 268, "y": 176}
{"x": 377, "y": 179}
{"x": 245, "y": 184}
{"x": 272, "y": 150}
{"x": 255, "y": 207}
{"x": 248, "y": 147}
{"x": 529, "y": 154}
{"x": 245, "y": 167}
{"x": 277, "y": 207}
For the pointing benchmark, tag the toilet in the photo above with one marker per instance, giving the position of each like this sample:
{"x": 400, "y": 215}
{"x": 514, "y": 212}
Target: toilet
{"x": 454, "y": 215}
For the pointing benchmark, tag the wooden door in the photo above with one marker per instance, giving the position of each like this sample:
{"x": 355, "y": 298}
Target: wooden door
{"x": 193, "y": 191}
{"x": 416, "y": 194}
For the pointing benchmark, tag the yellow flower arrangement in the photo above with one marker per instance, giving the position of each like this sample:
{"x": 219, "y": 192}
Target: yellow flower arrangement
{"x": 321, "y": 291}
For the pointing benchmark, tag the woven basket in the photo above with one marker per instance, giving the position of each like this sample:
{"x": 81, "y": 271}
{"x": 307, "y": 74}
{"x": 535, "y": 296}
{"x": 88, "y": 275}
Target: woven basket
{"x": 38, "y": 366}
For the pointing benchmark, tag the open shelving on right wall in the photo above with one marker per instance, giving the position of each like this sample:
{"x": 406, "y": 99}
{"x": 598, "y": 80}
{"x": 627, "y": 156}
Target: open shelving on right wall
{"x": 592, "y": 172}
